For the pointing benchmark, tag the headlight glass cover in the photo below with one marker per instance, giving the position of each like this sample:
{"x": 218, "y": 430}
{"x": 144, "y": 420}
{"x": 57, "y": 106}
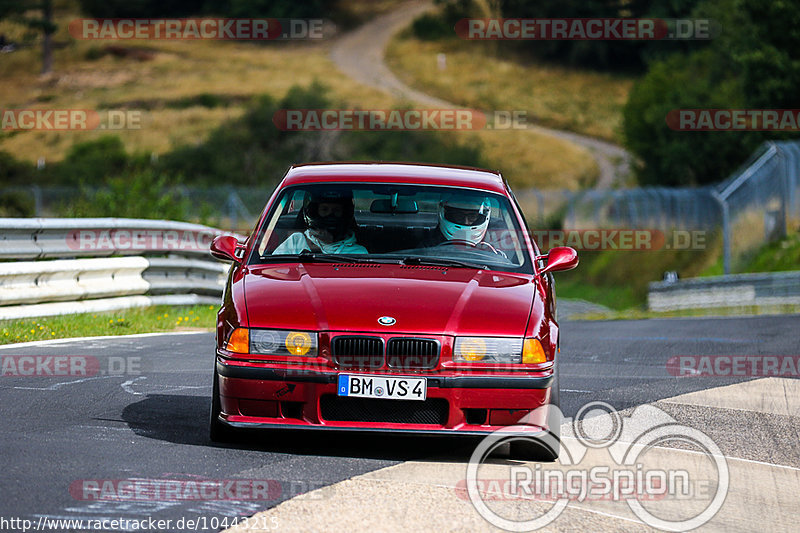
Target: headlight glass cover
{"x": 282, "y": 342}
{"x": 488, "y": 350}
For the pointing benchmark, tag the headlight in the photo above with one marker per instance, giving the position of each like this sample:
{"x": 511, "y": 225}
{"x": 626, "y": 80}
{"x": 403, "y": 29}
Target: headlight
{"x": 488, "y": 350}
{"x": 280, "y": 342}
{"x": 498, "y": 350}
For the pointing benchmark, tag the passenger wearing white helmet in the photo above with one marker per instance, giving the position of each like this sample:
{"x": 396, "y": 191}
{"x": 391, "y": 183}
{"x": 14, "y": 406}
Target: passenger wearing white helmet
{"x": 464, "y": 219}
{"x": 330, "y": 221}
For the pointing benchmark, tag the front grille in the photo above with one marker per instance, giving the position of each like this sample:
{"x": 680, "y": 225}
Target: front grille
{"x": 345, "y": 409}
{"x": 358, "y": 351}
{"x": 407, "y": 353}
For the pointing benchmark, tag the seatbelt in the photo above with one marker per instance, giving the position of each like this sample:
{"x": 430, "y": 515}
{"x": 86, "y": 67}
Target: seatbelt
{"x": 312, "y": 246}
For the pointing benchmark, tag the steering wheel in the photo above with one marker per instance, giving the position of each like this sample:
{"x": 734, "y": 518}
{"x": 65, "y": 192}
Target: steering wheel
{"x": 457, "y": 242}
{"x": 470, "y": 244}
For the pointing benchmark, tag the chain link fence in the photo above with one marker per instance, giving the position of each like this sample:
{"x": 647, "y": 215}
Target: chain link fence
{"x": 759, "y": 203}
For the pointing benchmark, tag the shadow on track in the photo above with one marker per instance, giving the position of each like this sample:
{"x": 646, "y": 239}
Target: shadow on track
{"x": 183, "y": 419}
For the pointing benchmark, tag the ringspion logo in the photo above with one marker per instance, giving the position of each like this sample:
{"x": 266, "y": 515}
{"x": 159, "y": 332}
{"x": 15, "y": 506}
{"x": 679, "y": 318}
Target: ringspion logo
{"x": 608, "y": 457}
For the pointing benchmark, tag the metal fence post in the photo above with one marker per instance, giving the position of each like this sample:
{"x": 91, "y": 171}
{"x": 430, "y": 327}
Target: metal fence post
{"x": 233, "y": 214}
{"x": 37, "y": 200}
{"x": 726, "y": 232}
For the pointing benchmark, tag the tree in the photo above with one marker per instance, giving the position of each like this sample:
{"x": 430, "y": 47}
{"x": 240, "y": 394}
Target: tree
{"x": 19, "y": 11}
{"x": 754, "y": 63}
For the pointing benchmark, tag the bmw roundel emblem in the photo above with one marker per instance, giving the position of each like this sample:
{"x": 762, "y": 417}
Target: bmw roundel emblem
{"x": 386, "y": 321}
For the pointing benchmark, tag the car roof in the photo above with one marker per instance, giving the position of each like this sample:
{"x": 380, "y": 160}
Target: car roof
{"x": 411, "y": 173}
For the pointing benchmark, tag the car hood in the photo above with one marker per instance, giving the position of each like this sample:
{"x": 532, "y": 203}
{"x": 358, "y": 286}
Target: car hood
{"x": 422, "y": 299}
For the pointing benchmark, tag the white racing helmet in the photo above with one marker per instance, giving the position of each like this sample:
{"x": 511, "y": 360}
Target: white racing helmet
{"x": 464, "y": 218}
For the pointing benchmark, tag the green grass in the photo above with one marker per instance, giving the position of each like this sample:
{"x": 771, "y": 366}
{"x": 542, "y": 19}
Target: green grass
{"x": 479, "y": 75}
{"x": 123, "y": 322}
{"x": 190, "y": 88}
{"x": 777, "y": 256}
{"x": 613, "y": 297}
{"x": 619, "y": 279}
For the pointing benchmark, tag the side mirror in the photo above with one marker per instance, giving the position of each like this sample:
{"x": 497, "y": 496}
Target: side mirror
{"x": 226, "y": 247}
{"x": 560, "y": 258}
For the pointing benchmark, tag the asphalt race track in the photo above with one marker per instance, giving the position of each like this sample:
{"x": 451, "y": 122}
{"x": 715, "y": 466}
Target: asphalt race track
{"x": 148, "y": 421}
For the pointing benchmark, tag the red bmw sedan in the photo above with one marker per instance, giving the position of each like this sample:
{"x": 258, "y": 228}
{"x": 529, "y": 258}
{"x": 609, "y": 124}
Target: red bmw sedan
{"x": 388, "y": 297}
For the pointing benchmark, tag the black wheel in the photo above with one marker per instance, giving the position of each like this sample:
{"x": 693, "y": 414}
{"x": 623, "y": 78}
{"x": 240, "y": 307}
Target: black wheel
{"x": 541, "y": 450}
{"x": 546, "y": 448}
{"x": 217, "y": 431}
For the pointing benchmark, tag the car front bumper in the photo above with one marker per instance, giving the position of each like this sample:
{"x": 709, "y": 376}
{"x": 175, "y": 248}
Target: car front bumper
{"x": 277, "y": 397}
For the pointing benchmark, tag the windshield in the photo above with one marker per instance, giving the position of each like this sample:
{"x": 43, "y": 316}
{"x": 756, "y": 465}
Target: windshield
{"x": 408, "y": 224}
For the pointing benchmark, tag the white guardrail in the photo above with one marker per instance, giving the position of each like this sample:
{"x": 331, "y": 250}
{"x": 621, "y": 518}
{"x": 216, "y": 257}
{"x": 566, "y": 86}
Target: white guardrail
{"x": 738, "y": 290}
{"x": 184, "y": 273}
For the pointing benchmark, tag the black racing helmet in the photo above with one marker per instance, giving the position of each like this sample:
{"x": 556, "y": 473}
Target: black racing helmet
{"x": 338, "y": 223}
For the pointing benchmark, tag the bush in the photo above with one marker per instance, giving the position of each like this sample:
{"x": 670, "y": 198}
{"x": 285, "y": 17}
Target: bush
{"x": 252, "y": 151}
{"x": 13, "y": 172}
{"x": 756, "y": 66}
{"x": 138, "y": 194}
{"x": 16, "y": 204}
{"x": 91, "y": 162}
{"x": 430, "y": 27}
{"x": 683, "y": 157}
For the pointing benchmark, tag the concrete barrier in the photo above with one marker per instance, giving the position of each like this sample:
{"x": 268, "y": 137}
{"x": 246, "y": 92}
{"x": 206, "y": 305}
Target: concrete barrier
{"x": 738, "y": 290}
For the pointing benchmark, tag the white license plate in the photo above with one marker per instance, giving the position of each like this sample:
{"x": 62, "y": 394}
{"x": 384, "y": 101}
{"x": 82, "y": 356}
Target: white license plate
{"x": 386, "y": 387}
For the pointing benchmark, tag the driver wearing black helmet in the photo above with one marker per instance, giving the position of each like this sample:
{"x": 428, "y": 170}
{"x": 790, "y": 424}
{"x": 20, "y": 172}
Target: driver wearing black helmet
{"x": 330, "y": 222}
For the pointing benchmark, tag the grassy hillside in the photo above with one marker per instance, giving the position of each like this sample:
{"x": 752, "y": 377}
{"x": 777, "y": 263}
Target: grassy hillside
{"x": 186, "y": 89}
{"x": 477, "y": 75}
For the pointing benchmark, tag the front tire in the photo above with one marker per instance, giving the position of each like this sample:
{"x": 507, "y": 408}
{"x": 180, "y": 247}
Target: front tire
{"x": 217, "y": 430}
{"x": 547, "y": 448}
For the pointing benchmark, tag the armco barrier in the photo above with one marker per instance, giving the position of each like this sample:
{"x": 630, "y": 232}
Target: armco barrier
{"x": 188, "y": 275}
{"x": 774, "y": 288}
{"x": 49, "y": 238}
{"x": 101, "y": 305}
{"x": 31, "y": 282}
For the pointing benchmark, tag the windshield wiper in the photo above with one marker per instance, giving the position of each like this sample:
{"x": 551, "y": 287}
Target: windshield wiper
{"x": 307, "y": 256}
{"x": 439, "y": 261}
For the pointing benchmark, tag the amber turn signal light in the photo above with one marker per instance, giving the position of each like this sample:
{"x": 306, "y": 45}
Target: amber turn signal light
{"x": 532, "y": 352}
{"x": 239, "y": 341}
